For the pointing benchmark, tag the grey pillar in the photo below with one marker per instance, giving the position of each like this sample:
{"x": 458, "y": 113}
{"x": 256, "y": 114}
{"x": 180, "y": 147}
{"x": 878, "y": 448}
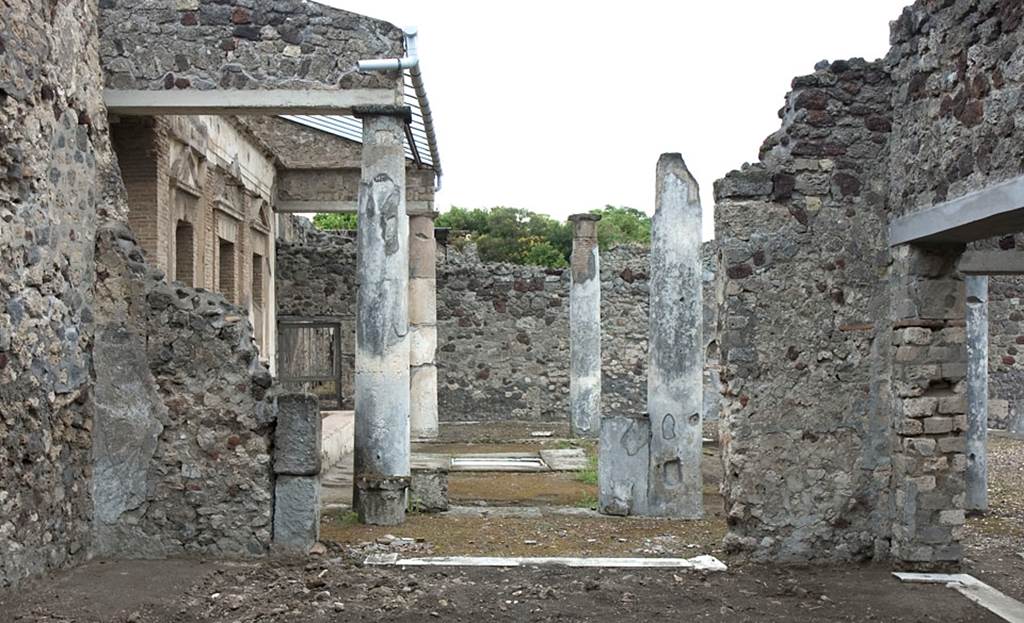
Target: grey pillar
{"x": 976, "y": 287}
{"x": 675, "y": 351}
{"x": 585, "y": 328}
{"x": 382, "y": 326}
{"x": 423, "y": 325}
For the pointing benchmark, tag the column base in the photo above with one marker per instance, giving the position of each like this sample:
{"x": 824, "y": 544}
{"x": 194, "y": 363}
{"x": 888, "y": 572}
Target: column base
{"x": 381, "y": 500}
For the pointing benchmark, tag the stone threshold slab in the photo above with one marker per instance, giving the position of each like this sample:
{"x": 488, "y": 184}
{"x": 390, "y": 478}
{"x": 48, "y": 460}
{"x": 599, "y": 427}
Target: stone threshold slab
{"x": 697, "y": 563}
{"x": 996, "y": 602}
{"x": 568, "y": 459}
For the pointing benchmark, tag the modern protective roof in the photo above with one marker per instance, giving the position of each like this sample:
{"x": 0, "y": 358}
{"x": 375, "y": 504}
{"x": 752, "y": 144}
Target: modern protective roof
{"x": 420, "y": 141}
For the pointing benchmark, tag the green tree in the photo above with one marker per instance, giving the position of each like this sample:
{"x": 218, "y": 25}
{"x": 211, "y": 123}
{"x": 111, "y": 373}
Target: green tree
{"x": 334, "y": 220}
{"x": 620, "y": 225}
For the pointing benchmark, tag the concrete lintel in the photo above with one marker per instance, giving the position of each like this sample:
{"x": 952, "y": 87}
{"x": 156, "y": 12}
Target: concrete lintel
{"x": 991, "y": 263}
{"x": 993, "y": 211}
{"x": 247, "y": 101}
{"x": 413, "y": 208}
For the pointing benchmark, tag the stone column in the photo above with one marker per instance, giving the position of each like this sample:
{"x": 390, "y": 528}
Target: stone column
{"x": 976, "y": 291}
{"x": 585, "y": 328}
{"x": 675, "y": 351}
{"x": 382, "y": 326}
{"x": 422, "y": 325}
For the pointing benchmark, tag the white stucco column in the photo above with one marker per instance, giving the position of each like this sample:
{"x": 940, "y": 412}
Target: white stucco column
{"x": 382, "y": 326}
{"x": 423, "y": 325}
{"x": 585, "y": 328}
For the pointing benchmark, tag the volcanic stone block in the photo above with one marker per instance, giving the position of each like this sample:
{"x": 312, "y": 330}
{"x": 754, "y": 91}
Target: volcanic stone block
{"x": 622, "y": 465}
{"x": 428, "y": 489}
{"x": 381, "y": 500}
{"x": 296, "y": 514}
{"x": 298, "y": 435}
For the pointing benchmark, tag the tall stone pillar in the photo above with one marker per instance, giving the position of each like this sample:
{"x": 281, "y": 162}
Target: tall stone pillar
{"x": 382, "y": 326}
{"x": 422, "y": 325}
{"x": 675, "y": 351}
{"x": 976, "y": 291}
{"x": 585, "y": 328}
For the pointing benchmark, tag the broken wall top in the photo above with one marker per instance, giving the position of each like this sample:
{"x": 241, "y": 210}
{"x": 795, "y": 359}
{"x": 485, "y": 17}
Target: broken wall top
{"x": 957, "y": 128}
{"x": 249, "y": 44}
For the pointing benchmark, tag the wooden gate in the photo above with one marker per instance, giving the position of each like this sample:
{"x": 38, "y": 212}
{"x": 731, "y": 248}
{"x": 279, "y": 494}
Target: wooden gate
{"x": 310, "y": 357}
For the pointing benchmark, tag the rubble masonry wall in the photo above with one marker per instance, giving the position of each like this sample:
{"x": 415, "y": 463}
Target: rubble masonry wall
{"x": 183, "y": 427}
{"x": 156, "y": 45}
{"x": 54, "y": 156}
{"x": 804, "y": 328}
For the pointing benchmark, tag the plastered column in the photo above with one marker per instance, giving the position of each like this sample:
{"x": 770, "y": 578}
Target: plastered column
{"x": 675, "y": 351}
{"x": 423, "y": 325}
{"x": 382, "y": 327}
{"x": 976, "y": 291}
{"x": 585, "y": 328}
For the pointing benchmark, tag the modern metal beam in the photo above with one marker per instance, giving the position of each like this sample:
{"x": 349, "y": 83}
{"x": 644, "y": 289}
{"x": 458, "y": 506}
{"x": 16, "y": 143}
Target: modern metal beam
{"x": 992, "y": 263}
{"x": 994, "y": 211}
{"x": 247, "y": 101}
{"x": 308, "y": 207}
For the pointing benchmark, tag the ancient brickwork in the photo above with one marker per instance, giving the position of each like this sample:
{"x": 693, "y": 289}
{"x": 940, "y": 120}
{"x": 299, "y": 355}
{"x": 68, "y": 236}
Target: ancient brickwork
{"x": 182, "y": 433}
{"x": 929, "y": 415}
{"x": 804, "y": 325}
{"x": 54, "y": 157}
{"x": 207, "y": 44}
{"x": 503, "y": 351}
{"x": 959, "y": 71}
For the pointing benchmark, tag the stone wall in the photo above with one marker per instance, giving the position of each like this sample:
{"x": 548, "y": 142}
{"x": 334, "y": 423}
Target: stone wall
{"x": 182, "y": 433}
{"x": 804, "y": 326}
{"x": 958, "y": 68}
{"x": 1006, "y": 349}
{"x": 207, "y": 44}
{"x": 503, "y": 351}
{"x": 54, "y": 157}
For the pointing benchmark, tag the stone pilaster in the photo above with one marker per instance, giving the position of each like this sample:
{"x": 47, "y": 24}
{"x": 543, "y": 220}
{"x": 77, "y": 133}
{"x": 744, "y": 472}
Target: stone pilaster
{"x": 423, "y": 326}
{"x": 382, "y": 326}
{"x": 928, "y": 388}
{"x": 585, "y": 328}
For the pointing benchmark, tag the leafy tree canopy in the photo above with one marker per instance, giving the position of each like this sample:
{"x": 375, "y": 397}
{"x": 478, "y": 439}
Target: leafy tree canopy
{"x": 335, "y": 220}
{"x": 520, "y": 236}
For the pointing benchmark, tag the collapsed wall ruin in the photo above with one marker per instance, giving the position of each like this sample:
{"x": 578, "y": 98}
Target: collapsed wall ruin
{"x": 843, "y": 357}
{"x": 136, "y": 417}
{"x": 815, "y": 304}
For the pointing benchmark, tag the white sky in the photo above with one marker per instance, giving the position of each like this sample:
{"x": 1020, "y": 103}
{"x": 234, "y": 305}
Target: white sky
{"x": 563, "y": 107}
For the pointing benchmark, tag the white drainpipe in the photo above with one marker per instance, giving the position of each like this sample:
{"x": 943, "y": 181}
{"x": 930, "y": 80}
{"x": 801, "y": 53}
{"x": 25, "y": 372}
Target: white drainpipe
{"x": 411, "y": 61}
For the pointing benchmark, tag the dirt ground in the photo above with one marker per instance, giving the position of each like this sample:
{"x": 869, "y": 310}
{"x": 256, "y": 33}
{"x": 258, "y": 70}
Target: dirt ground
{"x": 994, "y": 542}
{"x": 511, "y": 515}
{"x": 328, "y": 589}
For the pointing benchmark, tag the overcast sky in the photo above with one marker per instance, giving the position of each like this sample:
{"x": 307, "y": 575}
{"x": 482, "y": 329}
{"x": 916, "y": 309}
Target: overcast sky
{"x": 563, "y": 107}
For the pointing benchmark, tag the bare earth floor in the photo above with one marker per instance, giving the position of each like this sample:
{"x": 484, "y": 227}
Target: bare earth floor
{"x": 532, "y": 515}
